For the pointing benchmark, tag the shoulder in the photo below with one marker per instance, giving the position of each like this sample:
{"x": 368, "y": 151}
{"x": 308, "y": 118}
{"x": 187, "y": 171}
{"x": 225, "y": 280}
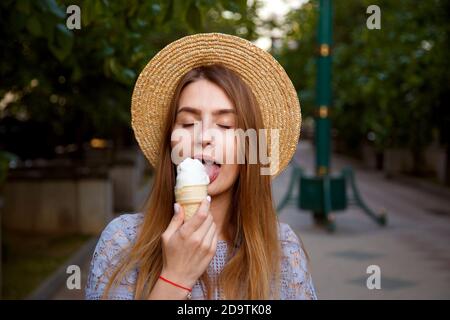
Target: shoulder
{"x": 296, "y": 278}
{"x": 118, "y": 235}
{"x": 291, "y": 245}
{"x": 287, "y": 235}
{"x": 123, "y": 229}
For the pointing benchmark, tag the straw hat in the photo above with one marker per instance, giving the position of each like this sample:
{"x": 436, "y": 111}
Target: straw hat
{"x": 274, "y": 91}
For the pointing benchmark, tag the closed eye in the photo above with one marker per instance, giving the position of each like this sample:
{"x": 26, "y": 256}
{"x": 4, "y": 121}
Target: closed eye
{"x": 223, "y": 126}
{"x": 186, "y": 125}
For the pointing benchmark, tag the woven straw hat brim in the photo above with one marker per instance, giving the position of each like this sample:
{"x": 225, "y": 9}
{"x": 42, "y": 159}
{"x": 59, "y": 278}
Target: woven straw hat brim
{"x": 274, "y": 91}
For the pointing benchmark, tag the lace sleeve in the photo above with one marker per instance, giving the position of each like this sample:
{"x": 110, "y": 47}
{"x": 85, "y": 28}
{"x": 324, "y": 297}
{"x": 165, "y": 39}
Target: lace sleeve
{"x": 114, "y": 239}
{"x": 296, "y": 281}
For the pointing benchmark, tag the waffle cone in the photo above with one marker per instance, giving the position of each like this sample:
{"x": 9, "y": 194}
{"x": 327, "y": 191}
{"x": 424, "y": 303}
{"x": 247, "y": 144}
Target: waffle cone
{"x": 190, "y": 198}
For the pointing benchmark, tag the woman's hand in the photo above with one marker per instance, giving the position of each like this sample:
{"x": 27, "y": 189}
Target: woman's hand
{"x": 188, "y": 248}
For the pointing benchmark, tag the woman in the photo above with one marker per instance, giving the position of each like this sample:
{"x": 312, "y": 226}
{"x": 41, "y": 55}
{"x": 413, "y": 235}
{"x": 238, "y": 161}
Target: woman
{"x": 233, "y": 247}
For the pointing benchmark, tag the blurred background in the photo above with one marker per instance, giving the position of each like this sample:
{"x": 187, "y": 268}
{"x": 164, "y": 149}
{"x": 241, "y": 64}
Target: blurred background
{"x": 69, "y": 162}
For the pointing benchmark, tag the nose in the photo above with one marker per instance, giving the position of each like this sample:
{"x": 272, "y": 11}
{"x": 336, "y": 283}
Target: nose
{"x": 206, "y": 138}
{"x": 202, "y": 135}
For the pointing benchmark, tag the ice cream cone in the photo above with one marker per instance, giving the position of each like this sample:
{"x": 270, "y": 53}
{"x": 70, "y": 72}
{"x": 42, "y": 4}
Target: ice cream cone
{"x": 190, "y": 197}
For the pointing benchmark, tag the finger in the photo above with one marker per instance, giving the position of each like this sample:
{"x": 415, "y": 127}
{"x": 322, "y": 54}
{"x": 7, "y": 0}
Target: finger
{"x": 197, "y": 219}
{"x": 208, "y": 238}
{"x": 204, "y": 228}
{"x": 213, "y": 246}
{"x": 177, "y": 220}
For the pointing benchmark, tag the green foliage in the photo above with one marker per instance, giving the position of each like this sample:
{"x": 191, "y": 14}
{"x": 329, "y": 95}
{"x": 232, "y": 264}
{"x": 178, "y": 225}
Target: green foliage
{"x": 28, "y": 259}
{"x": 393, "y": 82}
{"x": 79, "y": 82}
{"x": 297, "y": 55}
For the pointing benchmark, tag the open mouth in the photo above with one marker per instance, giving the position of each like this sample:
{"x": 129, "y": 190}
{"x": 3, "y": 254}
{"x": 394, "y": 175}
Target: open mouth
{"x": 212, "y": 169}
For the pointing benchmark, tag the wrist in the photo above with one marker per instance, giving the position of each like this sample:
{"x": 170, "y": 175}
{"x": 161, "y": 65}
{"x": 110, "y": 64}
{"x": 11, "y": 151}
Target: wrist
{"x": 183, "y": 289}
{"x": 177, "y": 279}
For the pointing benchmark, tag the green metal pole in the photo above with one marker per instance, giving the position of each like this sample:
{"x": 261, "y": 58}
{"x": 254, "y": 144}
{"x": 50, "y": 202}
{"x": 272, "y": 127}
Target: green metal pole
{"x": 323, "y": 193}
{"x": 323, "y": 88}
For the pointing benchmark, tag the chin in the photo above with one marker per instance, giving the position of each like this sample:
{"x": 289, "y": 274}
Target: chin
{"x": 216, "y": 187}
{"x": 223, "y": 182}
{"x": 213, "y": 188}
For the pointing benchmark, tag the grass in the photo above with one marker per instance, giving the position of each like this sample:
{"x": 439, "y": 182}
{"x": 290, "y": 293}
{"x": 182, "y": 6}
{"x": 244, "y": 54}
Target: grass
{"x": 28, "y": 259}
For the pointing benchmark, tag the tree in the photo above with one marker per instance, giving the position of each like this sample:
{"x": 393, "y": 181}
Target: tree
{"x": 392, "y": 82}
{"x": 61, "y": 86}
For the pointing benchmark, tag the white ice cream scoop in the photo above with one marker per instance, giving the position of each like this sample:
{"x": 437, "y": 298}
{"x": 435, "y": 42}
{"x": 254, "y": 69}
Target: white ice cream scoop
{"x": 191, "y": 185}
{"x": 191, "y": 172}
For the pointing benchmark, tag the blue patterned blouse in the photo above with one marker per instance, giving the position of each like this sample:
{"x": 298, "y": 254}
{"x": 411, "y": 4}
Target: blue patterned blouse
{"x": 296, "y": 282}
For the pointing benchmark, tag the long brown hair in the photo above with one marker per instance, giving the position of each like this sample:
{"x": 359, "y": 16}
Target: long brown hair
{"x": 252, "y": 221}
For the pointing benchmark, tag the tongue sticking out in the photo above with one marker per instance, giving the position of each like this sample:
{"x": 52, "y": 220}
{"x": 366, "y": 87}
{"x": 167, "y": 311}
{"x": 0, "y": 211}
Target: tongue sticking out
{"x": 212, "y": 170}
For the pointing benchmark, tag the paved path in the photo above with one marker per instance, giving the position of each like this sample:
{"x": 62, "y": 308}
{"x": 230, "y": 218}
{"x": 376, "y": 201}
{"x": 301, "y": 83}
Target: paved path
{"x": 65, "y": 294}
{"x": 412, "y": 251}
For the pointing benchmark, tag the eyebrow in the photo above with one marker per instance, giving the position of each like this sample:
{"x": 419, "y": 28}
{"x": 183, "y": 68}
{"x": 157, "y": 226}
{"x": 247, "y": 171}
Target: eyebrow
{"x": 198, "y": 111}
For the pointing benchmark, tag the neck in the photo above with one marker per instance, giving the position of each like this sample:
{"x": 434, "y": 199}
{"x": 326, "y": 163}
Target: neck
{"x": 219, "y": 208}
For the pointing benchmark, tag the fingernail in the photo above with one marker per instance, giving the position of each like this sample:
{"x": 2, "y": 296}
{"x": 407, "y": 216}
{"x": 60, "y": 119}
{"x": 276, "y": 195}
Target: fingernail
{"x": 208, "y": 198}
{"x": 176, "y": 208}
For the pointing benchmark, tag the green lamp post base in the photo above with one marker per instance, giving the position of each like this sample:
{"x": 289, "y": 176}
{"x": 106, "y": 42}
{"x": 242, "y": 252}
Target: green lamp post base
{"x": 323, "y": 195}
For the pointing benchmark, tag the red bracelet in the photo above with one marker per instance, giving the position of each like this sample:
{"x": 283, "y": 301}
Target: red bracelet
{"x": 173, "y": 283}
